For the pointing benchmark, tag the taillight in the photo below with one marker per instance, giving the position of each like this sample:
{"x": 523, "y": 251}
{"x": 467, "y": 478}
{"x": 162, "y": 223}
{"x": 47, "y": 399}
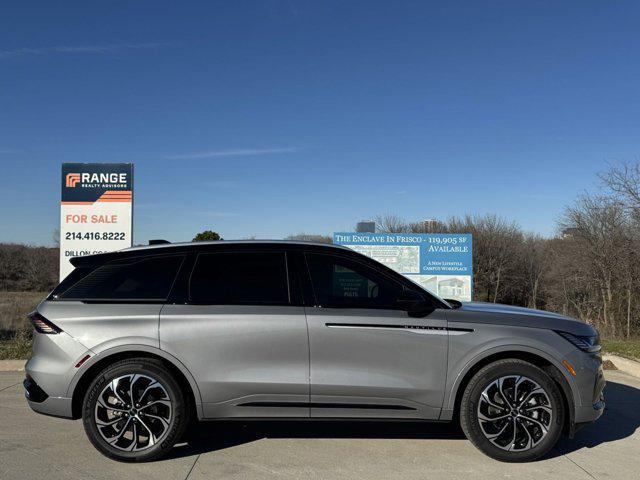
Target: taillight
{"x": 42, "y": 325}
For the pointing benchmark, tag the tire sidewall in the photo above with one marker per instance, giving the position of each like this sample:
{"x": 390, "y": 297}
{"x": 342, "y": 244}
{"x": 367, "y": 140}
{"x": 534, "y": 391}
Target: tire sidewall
{"x": 125, "y": 368}
{"x": 485, "y": 377}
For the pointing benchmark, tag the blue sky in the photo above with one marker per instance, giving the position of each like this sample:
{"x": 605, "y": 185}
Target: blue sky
{"x": 276, "y": 117}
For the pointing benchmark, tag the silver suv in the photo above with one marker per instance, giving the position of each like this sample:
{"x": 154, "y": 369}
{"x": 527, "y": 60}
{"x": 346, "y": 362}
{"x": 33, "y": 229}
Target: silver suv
{"x": 139, "y": 342}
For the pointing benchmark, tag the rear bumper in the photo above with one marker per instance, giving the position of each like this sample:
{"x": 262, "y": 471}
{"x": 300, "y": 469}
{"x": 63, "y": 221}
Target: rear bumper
{"x": 50, "y": 371}
{"x": 39, "y": 401}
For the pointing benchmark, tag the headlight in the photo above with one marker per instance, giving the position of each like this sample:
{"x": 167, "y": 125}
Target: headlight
{"x": 584, "y": 343}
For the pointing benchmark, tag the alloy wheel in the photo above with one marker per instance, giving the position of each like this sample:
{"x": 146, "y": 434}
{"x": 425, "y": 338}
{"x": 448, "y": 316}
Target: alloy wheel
{"x": 133, "y": 412}
{"x": 514, "y": 413}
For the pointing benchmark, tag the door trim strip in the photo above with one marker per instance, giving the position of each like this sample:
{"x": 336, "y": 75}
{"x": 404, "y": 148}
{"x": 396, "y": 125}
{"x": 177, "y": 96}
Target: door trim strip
{"x": 361, "y": 406}
{"x": 422, "y": 329}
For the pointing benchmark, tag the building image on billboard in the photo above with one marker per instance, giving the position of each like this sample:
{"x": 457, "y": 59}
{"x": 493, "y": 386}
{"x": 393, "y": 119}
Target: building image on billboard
{"x": 438, "y": 262}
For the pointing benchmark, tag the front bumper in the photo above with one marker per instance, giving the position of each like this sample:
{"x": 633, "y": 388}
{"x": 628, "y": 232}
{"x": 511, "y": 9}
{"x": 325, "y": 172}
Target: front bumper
{"x": 589, "y": 413}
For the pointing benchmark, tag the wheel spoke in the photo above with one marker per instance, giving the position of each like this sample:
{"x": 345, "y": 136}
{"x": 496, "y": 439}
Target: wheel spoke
{"x": 102, "y": 423}
{"x": 501, "y": 390}
{"x": 515, "y": 432}
{"x": 540, "y": 424}
{"x": 163, "y": 420}
{"x": 114, "y": 389}
{"x": 102, "y": 403}
{"x": 134, "y": 438}
{"x": 149, "y": 387}
{"x": 535, "y": 391}
{"x": 519, "y": 380}
{"x": 156, "y": 402}
{"x": 152, "y": 437}
{"x": 485, "y": 395}
{"x": 530, "y": 441}
{"x": 496, "y": 435}
{"x": 113, "y": 440}
{"x": 539, "y": 407}
{"x": 483, "y": 417}
{"x": 134, "y": 378}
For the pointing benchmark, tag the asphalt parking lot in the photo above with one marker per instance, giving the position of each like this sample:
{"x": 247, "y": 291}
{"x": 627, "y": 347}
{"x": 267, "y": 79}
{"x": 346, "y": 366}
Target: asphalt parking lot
{"x": 33, "y": 446}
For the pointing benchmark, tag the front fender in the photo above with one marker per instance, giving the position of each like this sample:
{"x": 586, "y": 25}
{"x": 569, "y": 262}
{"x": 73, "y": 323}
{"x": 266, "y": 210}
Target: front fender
{"x": 467, "y": 351}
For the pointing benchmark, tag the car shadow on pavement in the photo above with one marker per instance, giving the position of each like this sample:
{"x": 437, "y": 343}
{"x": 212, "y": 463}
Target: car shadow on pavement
{"x": 620, "y": 420}
{"x": 213, "y": 436}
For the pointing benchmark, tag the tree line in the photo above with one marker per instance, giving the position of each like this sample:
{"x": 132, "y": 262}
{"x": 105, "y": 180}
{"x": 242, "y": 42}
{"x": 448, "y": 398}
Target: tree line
{"x": 588, "y": 270}
{"x": 24, "y": 268}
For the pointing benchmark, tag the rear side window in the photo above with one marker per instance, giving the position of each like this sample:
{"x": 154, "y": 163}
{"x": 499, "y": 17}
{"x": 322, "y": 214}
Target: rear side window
{"x": 240, "y": 278}
{"x": 134, "y": 279}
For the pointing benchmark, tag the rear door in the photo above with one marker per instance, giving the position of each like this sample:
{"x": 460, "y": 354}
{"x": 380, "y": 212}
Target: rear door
{"x": 242, "y": 333}
{"x": 369, "y": 358}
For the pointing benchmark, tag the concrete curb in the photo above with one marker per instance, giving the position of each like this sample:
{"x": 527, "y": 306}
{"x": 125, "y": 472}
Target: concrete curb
{"x": 12, "y": 365}
{"x": 624, "y": 364}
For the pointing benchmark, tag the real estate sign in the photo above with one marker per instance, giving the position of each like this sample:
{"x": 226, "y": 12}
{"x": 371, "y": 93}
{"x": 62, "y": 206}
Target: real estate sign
{"x": 439, "y": 262}
{"x": 95, "y": 211}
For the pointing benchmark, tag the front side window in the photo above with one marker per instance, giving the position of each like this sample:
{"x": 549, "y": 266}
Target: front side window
{"x": 240, "y": 278}
{"x": 340, "y": 282}
{"x": 132, "y": 279}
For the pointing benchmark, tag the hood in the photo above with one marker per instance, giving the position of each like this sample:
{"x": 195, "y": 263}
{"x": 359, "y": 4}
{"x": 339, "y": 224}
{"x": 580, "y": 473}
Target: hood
{"x": 481, "y": 312}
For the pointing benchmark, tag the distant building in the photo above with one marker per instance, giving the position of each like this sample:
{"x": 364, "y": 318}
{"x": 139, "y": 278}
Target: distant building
{"x": 430, "y": 225}
{"x": 570, "y": 232}
{"x": 366, "y": 226}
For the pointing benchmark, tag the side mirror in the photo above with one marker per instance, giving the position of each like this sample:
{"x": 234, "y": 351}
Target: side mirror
{"x": 414, "y": 304}
{"x": 453, "y": 303}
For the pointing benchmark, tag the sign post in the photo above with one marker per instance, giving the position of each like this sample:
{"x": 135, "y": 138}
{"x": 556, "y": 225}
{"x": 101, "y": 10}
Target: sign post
{"x": 440, "y": 262}
{"x": 96, "y": 210}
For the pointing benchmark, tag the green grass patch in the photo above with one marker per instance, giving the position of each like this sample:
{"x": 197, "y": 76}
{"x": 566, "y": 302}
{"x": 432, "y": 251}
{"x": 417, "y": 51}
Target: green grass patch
{"x": 624, "y": 348}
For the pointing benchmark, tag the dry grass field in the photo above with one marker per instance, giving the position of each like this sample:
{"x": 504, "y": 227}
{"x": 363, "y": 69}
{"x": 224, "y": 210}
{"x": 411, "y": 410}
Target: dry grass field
{"x": 14, "y": 307}
{"x": 15, "y": 330}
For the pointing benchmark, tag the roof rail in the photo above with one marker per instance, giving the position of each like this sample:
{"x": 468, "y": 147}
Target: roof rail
{"x": 158, "y": 241}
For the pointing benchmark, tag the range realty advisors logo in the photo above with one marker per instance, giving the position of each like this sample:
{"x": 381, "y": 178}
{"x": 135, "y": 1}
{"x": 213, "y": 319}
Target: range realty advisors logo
{"x": 96, "y": 180}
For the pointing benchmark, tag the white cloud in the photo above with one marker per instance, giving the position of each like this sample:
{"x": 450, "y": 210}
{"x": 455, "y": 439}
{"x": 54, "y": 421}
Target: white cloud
{"x": 86, "y": 49}
{"x": 237, "y": 152}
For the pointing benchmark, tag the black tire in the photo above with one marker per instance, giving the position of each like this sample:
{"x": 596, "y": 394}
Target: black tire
{"x": 471, "y": 424}
{"x": 179, "y": 417}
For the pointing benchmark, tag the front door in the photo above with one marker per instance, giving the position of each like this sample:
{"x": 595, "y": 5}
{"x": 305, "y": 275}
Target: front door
{"x": 369, "y": 358}
{"x": 241, "y": 336}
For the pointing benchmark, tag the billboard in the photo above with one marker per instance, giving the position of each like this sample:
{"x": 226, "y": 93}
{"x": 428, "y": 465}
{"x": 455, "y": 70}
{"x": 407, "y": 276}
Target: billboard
{"x": 439, "y": 262}
{"x": 96, "y": 210}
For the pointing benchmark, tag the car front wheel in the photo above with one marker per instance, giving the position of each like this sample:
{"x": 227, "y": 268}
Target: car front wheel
{"x": 512, "y": 411}
{"x": 134, "y": 410}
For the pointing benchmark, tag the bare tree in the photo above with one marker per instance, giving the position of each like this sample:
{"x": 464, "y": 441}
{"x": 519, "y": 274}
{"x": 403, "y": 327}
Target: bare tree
{"x": 310, "y": 237}
{"x": 390, "y": 223}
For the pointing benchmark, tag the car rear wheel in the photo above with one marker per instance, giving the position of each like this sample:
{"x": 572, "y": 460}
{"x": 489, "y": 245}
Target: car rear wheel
{"x": 134, "y": 410}
{"x": 512, "y": 411}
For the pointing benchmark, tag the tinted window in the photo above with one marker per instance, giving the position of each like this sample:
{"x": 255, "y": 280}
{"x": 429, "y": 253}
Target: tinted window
{"x": 247, "y": 278}
{"x": 134, "y": 279}
{"x": 340, "y": 282}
